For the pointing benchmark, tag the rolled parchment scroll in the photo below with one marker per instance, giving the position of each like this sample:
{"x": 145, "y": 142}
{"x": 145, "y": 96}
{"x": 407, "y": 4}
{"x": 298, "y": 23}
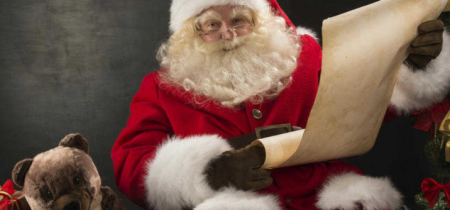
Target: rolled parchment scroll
{"x": 362, "y": 53}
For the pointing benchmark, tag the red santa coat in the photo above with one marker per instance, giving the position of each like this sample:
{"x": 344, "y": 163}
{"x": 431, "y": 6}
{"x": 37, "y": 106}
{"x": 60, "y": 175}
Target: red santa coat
{"x": 158, "y": 110}
{"x": 169, "y": 173}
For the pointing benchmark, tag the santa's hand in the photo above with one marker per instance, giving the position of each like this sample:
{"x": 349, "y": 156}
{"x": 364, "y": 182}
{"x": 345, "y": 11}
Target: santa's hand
{"x": 427, "y": 46}
{"x": 240, "y": 169}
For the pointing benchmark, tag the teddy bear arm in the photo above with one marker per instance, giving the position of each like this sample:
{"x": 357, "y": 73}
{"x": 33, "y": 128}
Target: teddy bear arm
{"x": 111, "y": 200}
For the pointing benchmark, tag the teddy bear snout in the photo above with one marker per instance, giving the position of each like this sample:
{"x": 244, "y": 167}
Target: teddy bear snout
{"x": 75, "y": 205}
{"x": 77, "y": 199}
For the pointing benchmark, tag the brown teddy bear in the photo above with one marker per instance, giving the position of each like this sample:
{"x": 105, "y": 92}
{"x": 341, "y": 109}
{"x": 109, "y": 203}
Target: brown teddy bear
{"x": 64, "y": 178}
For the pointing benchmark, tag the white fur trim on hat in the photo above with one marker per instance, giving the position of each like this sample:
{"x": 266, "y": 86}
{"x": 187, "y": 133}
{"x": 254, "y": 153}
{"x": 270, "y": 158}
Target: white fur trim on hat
{"x": 181, "y": 10}
{"x": 232, "y": 199}
{"x": 420, "y": 89}
{"x": 345, "y": 191}
{"x": 175, "y": 178}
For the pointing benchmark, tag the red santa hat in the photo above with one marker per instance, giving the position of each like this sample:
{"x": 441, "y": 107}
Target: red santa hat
{"x": 181, "y": 10}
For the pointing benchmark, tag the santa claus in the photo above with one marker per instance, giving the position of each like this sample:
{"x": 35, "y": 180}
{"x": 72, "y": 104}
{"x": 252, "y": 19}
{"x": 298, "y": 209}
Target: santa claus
{"x": 232, "y": 66}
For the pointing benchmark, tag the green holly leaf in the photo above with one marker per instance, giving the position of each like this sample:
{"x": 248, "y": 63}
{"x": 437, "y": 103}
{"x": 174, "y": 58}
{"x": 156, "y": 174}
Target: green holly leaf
{"x": 441, "y": 204}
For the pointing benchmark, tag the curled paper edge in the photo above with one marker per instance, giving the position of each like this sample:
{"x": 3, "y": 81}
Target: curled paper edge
{"x": 324, "y": 140}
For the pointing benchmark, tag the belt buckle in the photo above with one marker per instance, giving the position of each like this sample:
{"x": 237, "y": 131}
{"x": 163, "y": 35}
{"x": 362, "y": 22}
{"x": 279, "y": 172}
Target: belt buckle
{"x": 258, "y": 130}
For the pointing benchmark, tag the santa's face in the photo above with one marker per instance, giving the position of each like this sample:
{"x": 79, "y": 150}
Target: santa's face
{"x": 210, "y": 56}
{"x": 224, "y": 23}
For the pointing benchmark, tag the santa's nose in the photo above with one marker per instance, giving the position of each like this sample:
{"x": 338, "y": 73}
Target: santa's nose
{"x": 229, "y": 34}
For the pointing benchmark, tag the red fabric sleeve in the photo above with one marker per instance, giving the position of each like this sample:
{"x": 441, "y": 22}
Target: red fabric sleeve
{"x": 146, "y": 128}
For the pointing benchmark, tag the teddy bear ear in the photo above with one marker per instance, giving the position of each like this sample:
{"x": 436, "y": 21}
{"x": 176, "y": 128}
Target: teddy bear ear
{"x": 75, "y": 140}
{"x": 20, "y": 171}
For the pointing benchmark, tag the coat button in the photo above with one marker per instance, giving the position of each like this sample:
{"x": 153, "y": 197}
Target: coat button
{"x": 257, "y": 114}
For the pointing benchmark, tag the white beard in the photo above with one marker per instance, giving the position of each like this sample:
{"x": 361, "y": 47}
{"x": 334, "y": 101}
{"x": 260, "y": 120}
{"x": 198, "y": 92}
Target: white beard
{"x": 255, "y": 67}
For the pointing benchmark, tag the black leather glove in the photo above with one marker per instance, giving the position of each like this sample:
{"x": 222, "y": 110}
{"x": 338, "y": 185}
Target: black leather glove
{"x": 427, "y": 46}
{"x": 240, "y": 169}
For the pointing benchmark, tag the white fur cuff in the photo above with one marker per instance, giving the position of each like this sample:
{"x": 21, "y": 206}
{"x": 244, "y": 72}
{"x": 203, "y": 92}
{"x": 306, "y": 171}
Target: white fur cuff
{"x": 231, "y": 199}
{"x": 175, "y": 177}
{"x": 345, "y": 191}
{"x": 423, "y": 88}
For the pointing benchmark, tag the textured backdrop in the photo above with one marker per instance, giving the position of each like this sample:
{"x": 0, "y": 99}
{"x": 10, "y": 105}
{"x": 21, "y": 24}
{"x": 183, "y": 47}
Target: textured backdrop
{"x": 74, "y": 66}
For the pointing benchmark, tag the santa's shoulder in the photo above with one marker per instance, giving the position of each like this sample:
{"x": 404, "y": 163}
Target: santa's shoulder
{"x": 150, "y": 84}
{"x": 154, "y": 77}
{"x": 306, "y": 31}
{"x": 310, "y": 58}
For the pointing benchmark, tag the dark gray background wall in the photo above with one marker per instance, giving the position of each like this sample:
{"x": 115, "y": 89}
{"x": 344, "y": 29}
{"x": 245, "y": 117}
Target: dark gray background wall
{"x": 74, "y": 66}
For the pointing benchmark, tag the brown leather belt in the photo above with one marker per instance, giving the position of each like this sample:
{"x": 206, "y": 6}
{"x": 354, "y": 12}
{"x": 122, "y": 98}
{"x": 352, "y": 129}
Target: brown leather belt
{"x": 260, "y": 132}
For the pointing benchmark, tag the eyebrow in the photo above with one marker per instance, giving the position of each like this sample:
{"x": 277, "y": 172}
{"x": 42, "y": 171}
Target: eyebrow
{"x": 209, "y": 15}
{"x": 241, "y": 11}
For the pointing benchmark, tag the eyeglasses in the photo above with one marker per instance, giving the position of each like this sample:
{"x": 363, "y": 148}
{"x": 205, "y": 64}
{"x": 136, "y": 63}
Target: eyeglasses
{"x": 238, "y": 26}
